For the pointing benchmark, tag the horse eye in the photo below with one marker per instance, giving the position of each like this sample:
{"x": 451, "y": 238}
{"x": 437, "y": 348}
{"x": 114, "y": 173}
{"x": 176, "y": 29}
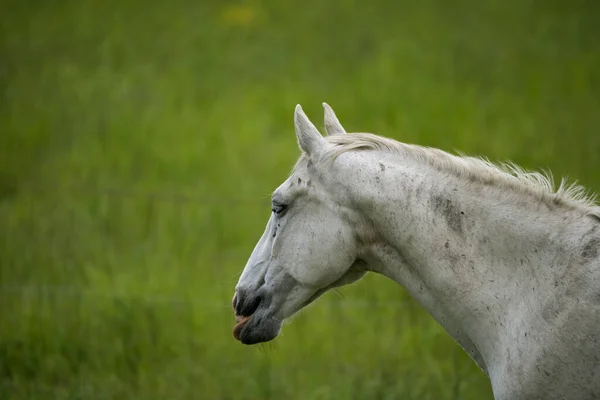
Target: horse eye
{"x": 278, "y": 208}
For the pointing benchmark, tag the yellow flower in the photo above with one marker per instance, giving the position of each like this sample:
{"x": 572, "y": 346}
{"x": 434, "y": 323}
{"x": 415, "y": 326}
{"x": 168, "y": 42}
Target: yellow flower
{"x": 239, "y": 15}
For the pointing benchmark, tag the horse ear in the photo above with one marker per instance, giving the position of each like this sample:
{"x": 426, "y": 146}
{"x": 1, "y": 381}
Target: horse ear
{"x": 309, "y": 138}
{"x": 332, "y": 124}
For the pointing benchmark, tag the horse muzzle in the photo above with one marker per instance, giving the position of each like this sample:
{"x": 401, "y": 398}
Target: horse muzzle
{"x": 254, "y": 324}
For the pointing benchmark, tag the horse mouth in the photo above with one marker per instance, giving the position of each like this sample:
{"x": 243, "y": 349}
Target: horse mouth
{"x": 242, "y": 321}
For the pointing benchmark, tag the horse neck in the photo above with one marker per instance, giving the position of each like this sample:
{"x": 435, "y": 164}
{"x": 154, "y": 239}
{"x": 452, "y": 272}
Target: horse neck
{"x": 469, "y": 252}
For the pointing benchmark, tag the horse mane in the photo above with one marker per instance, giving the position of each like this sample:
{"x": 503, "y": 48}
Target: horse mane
{"x": 504, "y": 175}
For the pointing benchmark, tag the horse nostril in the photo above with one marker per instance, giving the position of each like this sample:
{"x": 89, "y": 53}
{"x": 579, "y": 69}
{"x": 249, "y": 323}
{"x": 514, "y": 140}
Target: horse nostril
{"x": 248, "y": 306}
{"x": 234, "y": 301}
{"x": 254, "y": 305}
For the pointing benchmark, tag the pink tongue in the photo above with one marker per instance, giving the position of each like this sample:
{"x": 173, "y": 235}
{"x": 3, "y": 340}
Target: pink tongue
{"x": 241, "y": 322}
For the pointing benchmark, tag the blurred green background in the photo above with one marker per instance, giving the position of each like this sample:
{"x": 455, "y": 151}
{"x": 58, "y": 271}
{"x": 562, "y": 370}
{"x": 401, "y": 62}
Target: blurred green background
{"x": 139, "y": 143}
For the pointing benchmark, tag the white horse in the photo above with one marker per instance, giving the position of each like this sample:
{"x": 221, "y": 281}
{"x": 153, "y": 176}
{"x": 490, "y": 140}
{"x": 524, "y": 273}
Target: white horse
{"x": 508, "y": 266}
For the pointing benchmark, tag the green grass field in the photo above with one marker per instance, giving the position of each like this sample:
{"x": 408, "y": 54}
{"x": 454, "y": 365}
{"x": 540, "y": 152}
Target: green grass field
{"x": 139, "y": 143}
